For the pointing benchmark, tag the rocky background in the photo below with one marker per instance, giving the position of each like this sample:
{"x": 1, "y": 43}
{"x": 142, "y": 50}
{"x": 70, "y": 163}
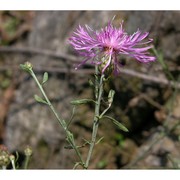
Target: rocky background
{"x": 150, "y": 109}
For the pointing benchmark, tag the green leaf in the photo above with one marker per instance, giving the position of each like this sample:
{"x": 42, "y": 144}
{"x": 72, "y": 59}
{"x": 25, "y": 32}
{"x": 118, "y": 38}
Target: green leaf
{"x": 39, "y": 99}
{"x": 45, "y": 78}
{"x": 22, "y": 66}
{"x": 111, "y": 96}
{"x": 99, "y": 140}
{"x": 81, "y": 101}
{"x": 77, "y": 164}
{"x": 70, "y": 137}
{"x": 64, "y": 123}
{"x": 91, "y": 83}
{"x": 117, "y": 123}
{"x": 17, "y": 156}
{"x": 86, "y": 141}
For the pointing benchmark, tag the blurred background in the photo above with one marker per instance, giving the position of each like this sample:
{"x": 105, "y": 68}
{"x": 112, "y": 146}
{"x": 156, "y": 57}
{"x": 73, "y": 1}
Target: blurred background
{"x": 147, "y": 99}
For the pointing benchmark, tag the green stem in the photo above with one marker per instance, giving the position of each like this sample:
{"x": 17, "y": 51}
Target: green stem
{"x": 47, "y": 100}
{"x": 60, "y": 120}
{"x": 26, "y": 162}
{"x": 98, "y": 96}
{"x": 13, "y": 164}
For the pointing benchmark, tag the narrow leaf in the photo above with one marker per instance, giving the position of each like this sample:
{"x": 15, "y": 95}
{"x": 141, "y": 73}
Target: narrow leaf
{"x": 111, "y": 96}
{"x": 39, "y": 99}
{"x": 77, "y": 164}
{"x": 91, "y": 83}
{"x": 99, "y": 140}
{"x": 86, "y": 141}
{"x": 81, "y": 101}
{"x": 70, "y": 137}
{"x": 45, "y": 78}
{"x": 64, "y": 123}
{"x": 22, "y": 66}
{"x": 117, "y": 123}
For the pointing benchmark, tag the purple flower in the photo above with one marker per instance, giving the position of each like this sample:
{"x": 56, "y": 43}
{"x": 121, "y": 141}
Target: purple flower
{"x": 103, "y": 47}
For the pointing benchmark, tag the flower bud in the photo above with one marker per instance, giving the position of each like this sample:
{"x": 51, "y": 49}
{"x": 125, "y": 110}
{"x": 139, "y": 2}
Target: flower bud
{"x": 108, "y": 70}
{"x": 28, "y": 151}
{"x": 28, "y": 65}
{"x": 4, "y": 156}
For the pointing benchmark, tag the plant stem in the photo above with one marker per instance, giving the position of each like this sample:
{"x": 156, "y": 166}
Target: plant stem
{"x": 13, "y": 164}
{"x": 98, "y": 96}
{"x": 60, "y": 120}
{"x": 47, "y": 100}
{"x": 26, "y": 162}
{"x": 4, "y": 167}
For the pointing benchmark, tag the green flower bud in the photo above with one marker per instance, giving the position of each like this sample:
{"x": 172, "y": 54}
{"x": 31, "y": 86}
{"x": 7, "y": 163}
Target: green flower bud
{"x": 26, "y": 67}
{"x": 109, "y": 69}
{"x": 4, "y": 156}
{"x": 28, "y": 151}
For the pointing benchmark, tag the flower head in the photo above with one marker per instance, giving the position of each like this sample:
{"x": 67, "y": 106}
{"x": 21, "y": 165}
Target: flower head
{"x": 4, "y": 156}
{"x": 103, "y": 47}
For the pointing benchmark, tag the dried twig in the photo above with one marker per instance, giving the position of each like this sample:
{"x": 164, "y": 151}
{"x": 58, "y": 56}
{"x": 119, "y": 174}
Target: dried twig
{"x": 36, "y": 51}
{"x": 73, "y": 59}
{"x": 150, "y": 78}
{"x": 155, "y": 138}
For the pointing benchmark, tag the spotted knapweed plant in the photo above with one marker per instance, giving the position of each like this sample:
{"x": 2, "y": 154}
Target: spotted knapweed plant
{"x": 102, "y": 48}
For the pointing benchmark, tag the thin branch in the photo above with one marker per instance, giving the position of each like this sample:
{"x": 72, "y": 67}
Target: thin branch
{"x": 73, "y": 59}
{"x": 42, "y": 69}
{"x": 150, "y": 78}
{"x": 146, "y": 150}
{"x": 155, "y": 138}
{"x": 36, "y": 51}
{"x": 163, "y": 131}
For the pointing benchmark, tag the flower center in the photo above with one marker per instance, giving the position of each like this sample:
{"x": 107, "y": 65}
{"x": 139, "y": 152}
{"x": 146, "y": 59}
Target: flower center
{"x": 109, "y": 50}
